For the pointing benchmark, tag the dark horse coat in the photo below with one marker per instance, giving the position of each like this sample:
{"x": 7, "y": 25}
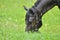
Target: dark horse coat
{"x": 34, "y": 14}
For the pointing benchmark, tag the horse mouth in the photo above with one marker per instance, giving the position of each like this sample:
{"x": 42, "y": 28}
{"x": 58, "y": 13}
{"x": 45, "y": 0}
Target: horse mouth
{"x": 30, "y": 28}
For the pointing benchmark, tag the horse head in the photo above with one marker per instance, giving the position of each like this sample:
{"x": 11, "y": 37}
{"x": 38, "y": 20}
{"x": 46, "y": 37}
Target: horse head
{"x": 31, "y": 19}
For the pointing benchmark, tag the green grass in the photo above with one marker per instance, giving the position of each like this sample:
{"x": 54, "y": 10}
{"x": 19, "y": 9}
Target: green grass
{"x": 12, "y": 23}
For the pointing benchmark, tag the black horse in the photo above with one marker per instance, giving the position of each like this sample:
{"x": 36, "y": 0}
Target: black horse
{"x": 34, "y": 14}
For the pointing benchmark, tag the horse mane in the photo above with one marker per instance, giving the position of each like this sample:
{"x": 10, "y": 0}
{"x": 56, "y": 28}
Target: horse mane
{"x": 36, "y": 3}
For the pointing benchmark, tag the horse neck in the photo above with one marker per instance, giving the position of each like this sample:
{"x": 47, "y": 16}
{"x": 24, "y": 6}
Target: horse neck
{"x": 36, "y": 3}
{"x": 45, "y": 8}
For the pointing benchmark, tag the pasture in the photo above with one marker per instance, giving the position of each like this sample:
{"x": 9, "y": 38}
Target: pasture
{"x": 12, "y": 22}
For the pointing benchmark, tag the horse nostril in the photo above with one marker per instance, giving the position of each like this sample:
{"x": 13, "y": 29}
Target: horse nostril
{"x": 36, "y": 30}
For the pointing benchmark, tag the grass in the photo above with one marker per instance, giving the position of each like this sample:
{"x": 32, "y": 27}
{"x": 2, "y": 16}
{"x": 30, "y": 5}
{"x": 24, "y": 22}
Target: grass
{"x": 12, "y": 24}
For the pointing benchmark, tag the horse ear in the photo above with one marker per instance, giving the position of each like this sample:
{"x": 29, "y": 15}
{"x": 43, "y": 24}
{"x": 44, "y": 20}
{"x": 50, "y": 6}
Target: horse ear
{"x": 25, "y": 8}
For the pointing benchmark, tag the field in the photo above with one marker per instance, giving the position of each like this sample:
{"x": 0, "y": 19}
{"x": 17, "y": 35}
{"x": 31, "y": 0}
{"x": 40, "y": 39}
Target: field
{"x": 12, "y": 22}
